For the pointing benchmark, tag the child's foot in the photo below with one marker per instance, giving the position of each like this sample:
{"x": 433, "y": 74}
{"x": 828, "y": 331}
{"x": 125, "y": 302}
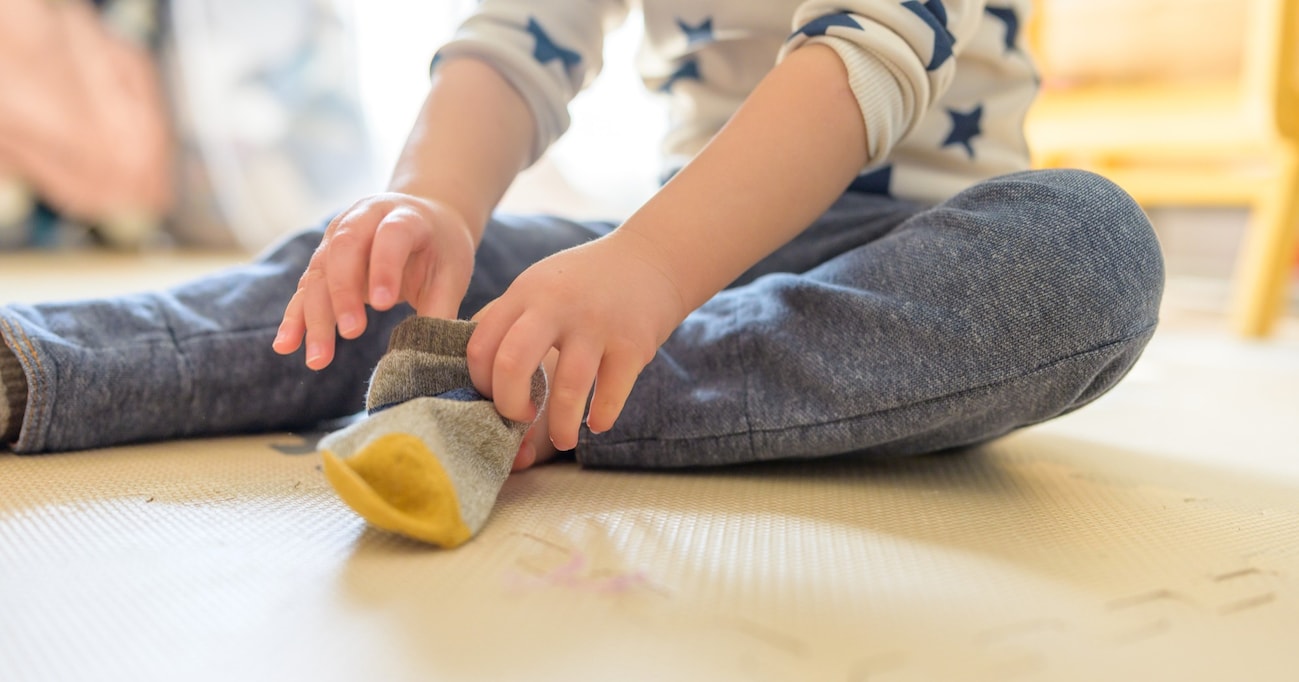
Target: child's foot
{"x": 536, "y": 448}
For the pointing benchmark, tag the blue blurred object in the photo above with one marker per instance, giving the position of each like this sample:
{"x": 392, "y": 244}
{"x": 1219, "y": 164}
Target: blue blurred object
{"x": 274, "y": 134}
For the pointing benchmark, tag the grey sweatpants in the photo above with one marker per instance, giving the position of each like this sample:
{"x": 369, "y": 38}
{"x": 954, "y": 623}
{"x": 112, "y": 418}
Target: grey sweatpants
{"x": 887, "y": 328}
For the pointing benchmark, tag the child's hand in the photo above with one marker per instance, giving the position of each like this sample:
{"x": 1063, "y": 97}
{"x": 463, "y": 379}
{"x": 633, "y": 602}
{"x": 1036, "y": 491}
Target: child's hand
{"x": 606, "y": 306}
{"x": 383, "y": 250}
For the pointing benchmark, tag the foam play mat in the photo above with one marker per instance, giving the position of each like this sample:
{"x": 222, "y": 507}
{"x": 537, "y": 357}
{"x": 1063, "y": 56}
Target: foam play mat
{"x": 1036, "y": 557}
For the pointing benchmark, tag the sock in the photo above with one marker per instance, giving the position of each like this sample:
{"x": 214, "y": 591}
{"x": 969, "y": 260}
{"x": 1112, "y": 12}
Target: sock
{"x": 431, "y": 456}
{"x": 13, "y": 395}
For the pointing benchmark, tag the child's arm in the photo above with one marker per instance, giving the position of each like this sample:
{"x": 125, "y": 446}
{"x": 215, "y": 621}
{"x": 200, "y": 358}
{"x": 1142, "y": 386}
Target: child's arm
{"x": 787, "y": 154}
{"x": 416, "y": 242}
{"x": 784, "y": 157}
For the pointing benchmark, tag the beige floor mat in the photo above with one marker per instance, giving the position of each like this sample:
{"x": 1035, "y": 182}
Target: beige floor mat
{"x": 1039, "y": 557}
{"x": 1152, "y": 536}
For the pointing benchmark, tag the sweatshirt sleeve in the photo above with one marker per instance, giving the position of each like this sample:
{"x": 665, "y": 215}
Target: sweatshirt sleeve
{"x": 547, "y": 50}
{"x": 900, "y": 56}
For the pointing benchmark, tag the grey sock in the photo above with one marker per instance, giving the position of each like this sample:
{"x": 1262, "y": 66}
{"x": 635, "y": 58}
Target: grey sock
{"x": 13, "y": 395}
{"x": 426, "y": 356}
{"x": 430, "y": 459}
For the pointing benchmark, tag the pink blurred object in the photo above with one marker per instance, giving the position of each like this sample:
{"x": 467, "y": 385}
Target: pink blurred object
{"x": 83, "y": 119}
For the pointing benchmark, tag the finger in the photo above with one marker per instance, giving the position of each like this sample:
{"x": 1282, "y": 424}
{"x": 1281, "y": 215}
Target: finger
{"x": 569, "y": 390}
{"x": 318, "y": 313}
{"x": 520, "y": 353}
{"x": 289, "y": 337}
{"x": 346, "y": 263}
{"x": 494, "y": 320}
{"x": 613, "y": 383}
{"x": 394, "y": 241}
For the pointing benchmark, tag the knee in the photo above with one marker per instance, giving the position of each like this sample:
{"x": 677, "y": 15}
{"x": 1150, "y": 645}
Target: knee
{"x": 1087, "y": 251}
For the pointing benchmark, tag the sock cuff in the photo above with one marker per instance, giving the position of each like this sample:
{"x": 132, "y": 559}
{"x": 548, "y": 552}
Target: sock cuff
{"x": 13, "y": 394}
{"x": 432, "y": 335}
{"x": 426, "y": 357}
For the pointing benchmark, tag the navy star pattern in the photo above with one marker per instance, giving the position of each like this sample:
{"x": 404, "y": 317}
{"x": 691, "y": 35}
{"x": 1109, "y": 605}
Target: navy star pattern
{"x": 819, "y": 25}
{"x": 703, "y": 33}
{"x": 965, "y": 127}
{"x": 1008, "y": 16}
{"x": 934, "y": 14}
{"x": 547, "y": 51}
{"x": 939, "y": 10}
{"x": 874, "y": 182}
{"x": 689, "y": 70}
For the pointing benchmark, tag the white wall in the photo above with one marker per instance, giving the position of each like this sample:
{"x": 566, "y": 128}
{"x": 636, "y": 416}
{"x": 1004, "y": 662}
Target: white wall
{"x": 604, "y": 167}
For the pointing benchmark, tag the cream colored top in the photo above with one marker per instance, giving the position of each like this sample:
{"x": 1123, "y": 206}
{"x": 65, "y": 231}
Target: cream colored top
{"x": 943, "y": 85}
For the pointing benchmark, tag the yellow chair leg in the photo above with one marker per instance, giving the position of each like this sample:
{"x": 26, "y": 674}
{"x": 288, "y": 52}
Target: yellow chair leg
{"x": 1267, "y": 256}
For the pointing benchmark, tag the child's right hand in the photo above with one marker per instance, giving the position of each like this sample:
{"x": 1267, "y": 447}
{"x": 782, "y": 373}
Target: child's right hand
{"x": 383, "y": 250}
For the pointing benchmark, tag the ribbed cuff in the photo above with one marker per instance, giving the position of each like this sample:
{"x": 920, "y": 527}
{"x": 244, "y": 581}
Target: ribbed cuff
{"x": 13, "y": 395}
{"x": 426, "y": 357}
{"x": 432, "y": 335}
{"x": 890, "y": 108}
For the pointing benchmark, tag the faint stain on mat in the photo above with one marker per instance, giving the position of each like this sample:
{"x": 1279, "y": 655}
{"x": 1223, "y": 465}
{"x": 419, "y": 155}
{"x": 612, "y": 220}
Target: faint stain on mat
{"x": 554, "y": 565}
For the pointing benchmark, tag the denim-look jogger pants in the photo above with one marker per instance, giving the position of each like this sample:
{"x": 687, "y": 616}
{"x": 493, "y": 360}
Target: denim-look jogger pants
{"x": 887, "y": 328}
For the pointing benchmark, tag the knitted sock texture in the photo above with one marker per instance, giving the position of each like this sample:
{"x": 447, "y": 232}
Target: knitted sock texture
{"x": 13, "y": 395}
{"x": 430, "y": 458}
{"x": 426, "y": 357}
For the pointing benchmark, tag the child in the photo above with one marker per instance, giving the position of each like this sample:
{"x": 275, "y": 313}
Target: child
{"x": 849, "y": 257}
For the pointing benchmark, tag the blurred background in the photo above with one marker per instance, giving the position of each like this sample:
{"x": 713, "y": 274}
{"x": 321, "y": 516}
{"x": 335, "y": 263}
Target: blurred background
{"x": 279, "y": 113}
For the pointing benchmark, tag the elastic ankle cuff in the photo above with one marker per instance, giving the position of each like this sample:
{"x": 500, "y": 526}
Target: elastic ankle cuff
{"x": 13, "y": 391}
{"x": 432, "y": 335}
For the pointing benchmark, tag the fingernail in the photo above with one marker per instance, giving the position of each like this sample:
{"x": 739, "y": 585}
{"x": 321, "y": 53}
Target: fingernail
{"x": 347, "y": 323}
{"x": 314, "y": 353}
{"x": 382, "y": 296}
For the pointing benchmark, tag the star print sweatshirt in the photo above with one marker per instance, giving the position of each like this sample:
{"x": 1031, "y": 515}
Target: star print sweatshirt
{"x": 943, "y": 85}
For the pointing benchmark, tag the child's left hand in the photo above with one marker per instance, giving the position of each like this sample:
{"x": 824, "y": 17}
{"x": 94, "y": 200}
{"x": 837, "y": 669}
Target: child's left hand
{"x": 606, "y": 306}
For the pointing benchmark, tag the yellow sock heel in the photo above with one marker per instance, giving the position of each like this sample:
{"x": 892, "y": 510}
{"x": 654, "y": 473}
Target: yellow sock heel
{"x": 432, "y": 454}
{"x": 397, "y": 484}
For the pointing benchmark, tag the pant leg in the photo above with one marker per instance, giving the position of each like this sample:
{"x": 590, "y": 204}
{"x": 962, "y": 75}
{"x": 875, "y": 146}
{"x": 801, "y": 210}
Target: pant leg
{"x": 193, "y": 360}
{"x": 1016, "y": 301}
{"x": 196, "y": 360}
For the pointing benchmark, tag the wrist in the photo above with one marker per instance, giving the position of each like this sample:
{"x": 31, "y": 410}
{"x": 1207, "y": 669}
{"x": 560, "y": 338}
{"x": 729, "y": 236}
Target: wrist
{"x": 448, "y": 209}
{"x": 644, "y": 250}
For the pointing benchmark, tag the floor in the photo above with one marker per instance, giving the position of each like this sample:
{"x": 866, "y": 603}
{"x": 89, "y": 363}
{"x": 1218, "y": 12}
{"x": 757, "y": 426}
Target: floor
{"x": 1153, "y": 535}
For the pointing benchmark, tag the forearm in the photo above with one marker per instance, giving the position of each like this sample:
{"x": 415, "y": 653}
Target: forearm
{"x": 470, "y": 140}
{"x": 783, "y": 158}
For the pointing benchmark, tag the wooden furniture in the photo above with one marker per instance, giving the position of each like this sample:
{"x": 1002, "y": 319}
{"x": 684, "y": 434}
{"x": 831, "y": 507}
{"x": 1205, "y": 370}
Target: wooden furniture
{"x": 1198, "y": 142}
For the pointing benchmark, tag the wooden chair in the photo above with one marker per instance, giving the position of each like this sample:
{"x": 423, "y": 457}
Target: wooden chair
{"x": 1231, "y": 142}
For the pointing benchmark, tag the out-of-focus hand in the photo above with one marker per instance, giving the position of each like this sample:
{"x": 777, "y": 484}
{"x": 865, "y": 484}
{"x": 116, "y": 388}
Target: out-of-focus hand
{"x": 606, "y": 306}
{"x": 82, "y": 115}
{"x": 383, "y": 250}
